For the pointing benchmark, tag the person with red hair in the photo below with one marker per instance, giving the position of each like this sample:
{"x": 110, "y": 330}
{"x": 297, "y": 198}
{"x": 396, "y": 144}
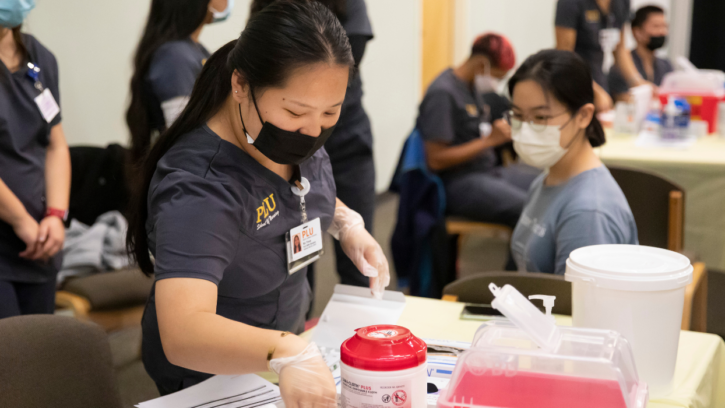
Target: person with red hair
{"x": 460, "y": 121}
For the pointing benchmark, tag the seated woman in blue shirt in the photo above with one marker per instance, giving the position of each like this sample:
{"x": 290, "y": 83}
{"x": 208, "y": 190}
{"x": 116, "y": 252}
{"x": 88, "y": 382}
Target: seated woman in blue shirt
{"x": 576, "y": 202}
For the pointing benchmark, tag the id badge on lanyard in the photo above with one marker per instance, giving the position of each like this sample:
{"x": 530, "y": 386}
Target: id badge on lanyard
{"x": 609, "y": 38}
{"x": 304, "y": 242}
{"x": 46, "y": 102}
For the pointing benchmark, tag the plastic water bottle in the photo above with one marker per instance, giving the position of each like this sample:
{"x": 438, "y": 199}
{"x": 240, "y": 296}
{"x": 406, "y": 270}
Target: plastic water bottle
{"x": 651, "y": 123}
{"x": 675, "y": 119}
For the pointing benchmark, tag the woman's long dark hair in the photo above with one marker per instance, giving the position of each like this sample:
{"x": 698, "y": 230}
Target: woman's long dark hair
{"x": 567, "y": 78}
{"x": 281, "y": 38}
{"x": 168, "y": 20}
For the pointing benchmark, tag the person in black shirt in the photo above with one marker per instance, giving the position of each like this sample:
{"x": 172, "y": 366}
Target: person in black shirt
{"x": 650, "y": 29}
{"x": 351, "y": 146}
{"x": 34, "y": 169}
{"x": 167, "y": 62}
{"x": 239, "y": 173}
{"x": 594, "y": 29}
{"x": 460, "y": 121}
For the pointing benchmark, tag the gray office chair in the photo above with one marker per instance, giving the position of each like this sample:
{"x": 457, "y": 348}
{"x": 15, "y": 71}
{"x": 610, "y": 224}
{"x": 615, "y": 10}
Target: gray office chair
{"x": 55, "y": 361}
{"x": 474, "y": 288}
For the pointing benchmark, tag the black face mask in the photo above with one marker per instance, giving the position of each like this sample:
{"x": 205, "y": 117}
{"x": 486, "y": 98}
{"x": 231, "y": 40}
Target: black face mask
{"x": 656, "y": 42}
{"x": 282, "y": 146}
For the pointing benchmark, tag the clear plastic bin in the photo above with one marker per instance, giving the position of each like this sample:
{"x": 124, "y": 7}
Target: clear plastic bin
{"x": 530, "y": 362}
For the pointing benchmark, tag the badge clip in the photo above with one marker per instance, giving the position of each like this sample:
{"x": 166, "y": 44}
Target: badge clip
{"x": 34, "y": 74}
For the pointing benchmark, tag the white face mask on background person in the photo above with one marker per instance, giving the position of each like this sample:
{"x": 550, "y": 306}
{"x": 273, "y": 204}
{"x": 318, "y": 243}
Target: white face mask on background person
{"x": 538, "y": 149}
{"x": 486, "y": 83}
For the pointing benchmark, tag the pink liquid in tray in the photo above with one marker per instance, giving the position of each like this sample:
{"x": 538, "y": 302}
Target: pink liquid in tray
{"x": 527, "y": 390}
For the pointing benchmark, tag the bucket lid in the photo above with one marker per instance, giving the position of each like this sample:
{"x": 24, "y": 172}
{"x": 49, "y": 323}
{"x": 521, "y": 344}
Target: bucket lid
{"x": 383, "y": 348}
{"x": 629, "y": 267}
{"x": 527, "y": 317}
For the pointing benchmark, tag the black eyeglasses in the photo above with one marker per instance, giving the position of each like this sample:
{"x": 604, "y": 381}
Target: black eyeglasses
{"x": 538, "y": 123}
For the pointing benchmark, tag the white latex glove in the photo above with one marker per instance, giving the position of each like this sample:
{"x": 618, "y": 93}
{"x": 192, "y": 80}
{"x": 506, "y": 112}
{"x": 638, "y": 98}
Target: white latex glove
{"x": 348, "y": 227}
{"x": 305, "y": 381}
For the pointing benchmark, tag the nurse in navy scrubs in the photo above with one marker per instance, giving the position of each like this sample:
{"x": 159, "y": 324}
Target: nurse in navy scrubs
{"x": 167, "y": 62}
{"x": 34, "y": 168}
{"x": 351, "y": 146}
{"x": 238, "y": 173}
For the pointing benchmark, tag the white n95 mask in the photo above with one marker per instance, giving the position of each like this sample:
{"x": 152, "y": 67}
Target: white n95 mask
{"x": 538, "y": 149}
{"x": 485, "y": 83}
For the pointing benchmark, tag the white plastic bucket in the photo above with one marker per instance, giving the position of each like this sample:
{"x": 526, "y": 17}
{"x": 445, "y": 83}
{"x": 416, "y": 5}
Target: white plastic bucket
{"x": 638, "y": 291}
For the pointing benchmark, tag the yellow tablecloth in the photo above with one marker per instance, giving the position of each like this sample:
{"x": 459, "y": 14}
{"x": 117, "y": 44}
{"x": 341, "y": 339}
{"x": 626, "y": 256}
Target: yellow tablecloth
{"x": 700, "y": 170}
{"x": 699, "y": 373}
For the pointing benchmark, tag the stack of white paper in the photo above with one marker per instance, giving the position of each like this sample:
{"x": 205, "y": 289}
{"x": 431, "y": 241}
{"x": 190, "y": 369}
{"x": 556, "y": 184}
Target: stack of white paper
{"x": 351, "y": 308}
{"x": 223, "y": 391}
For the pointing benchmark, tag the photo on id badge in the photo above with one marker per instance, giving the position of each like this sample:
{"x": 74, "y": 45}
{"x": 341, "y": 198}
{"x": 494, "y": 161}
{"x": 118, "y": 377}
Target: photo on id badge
{"x": 304, "y": 245}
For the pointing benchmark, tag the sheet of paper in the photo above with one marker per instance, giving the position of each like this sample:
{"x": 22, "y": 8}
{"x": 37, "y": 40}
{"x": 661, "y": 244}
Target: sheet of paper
{"x": 223, "y": 391}
{"x": 351, "y": 308}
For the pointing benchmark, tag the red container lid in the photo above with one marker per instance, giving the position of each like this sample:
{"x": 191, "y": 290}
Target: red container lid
{"x": 383, "y": 348}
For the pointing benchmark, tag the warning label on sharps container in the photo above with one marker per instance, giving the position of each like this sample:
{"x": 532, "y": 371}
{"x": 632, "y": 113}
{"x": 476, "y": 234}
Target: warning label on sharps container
{"x": 378, "y": 394}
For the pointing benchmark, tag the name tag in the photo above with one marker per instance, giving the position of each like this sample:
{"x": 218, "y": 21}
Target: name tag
{"x": 304, "y": 245}
{"x": 47, "y": 105}
{"x": 472, "y": 110}
{"x": 592, "y": 16}
{"x": 608, "y": 39}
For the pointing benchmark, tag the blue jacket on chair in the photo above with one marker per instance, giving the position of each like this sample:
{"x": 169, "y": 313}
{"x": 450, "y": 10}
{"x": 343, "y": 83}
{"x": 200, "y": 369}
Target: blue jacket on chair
{"x": 421, "y": 209}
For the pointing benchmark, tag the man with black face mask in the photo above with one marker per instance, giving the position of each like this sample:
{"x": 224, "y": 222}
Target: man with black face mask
{"x": 649, "y": 28}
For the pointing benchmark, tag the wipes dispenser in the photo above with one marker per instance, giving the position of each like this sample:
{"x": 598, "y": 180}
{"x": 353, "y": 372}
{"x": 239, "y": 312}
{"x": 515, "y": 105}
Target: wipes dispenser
{"x": 530, "y": 362}
{"x": 383, "y": 366}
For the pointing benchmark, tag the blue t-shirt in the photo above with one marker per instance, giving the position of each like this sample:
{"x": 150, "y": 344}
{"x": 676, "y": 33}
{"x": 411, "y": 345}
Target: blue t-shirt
{"x": 589, "y": 209}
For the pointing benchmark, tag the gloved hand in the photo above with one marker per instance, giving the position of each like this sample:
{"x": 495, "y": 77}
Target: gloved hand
{"x": 348, "y": 227}
{"x": 305, "y": 381}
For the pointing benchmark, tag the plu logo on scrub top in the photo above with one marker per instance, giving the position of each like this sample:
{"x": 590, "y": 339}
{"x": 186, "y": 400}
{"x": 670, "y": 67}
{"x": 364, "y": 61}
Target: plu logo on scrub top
{"x": 264, "y": 212}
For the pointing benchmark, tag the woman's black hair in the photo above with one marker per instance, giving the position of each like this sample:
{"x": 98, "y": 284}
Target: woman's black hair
{"x": 283, "y": 37}
{"x": 22, "y": 50}
{"x": 339, "y": 7}
{"x": 643, "y": 13}
{"x": 169, "y": 20}
{"x": 567, "y": 78}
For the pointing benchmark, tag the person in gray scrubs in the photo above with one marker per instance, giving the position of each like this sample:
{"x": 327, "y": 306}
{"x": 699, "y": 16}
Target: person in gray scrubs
{"x": 239, "y": 173}
{"x": 460, "y": 120}
{"x": 351, "y": 146}
{"x": 650, "y": 29}
{"x": 167, "y": 61}
{"x": 594, "y": 29}
{"x": 576, "y": 202}
{"x": 34, "y": 168}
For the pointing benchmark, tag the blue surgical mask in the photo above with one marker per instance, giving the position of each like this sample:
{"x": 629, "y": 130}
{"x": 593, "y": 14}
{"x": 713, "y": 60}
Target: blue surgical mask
{"x": 13, "y": 12}
{"x": 219, "y": 16}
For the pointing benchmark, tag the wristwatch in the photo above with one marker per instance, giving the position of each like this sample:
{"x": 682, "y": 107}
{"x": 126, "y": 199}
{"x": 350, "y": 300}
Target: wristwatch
{"x": 62, "y": 214}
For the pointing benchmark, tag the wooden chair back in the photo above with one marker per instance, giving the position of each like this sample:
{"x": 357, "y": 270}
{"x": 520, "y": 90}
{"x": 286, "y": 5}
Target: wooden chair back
{"x": 658, "y": 206}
